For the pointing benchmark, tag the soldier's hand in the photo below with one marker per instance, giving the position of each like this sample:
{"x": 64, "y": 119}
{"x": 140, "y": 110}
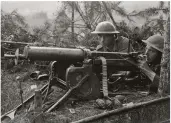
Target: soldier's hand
{"x": 147, "y": 70}
{"x": 142, "y": 58}
{"x": 144, "y": 66}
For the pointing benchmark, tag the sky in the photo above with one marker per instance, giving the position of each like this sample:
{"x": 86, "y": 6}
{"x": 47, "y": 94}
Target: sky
{"x": 28, "y": 8}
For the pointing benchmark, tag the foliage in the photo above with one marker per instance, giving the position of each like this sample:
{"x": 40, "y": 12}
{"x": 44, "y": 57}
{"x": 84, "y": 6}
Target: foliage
{"x": 13, "y": 26}
{"x": 155, "y": 19}
{"x": 9, "y": 87}
{"x": 58, "y": 31}
{"x": 152, "y": 11}
{"x": 63, "y": 31}
{"x": 87, "y": 16}
{"x": 43, "y": 33}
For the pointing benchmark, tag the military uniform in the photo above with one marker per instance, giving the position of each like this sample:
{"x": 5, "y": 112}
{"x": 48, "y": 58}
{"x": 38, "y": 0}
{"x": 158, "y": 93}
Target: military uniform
{"x": 155, "y": 83}
{"x": 119, "y": 46}
{"x": 156, "y": 42}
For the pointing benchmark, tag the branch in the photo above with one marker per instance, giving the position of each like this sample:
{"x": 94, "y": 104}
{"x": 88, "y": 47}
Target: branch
{"x": 82, "y": 16}
{"x": 110, "y": 14}
{"x": 67, "y": 94}
{"x": 148, "y": 12}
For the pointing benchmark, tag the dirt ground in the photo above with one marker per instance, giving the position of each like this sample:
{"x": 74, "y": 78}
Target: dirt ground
{"x": 67, "y": 112}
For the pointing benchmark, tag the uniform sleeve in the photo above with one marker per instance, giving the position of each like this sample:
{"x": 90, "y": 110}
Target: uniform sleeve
{"x": 155, "y": 82}
{"x": 99, "y": 48}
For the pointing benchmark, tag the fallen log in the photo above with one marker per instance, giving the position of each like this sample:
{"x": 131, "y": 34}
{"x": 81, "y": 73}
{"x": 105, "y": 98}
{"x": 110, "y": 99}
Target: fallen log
{"x": 122, "y": 110}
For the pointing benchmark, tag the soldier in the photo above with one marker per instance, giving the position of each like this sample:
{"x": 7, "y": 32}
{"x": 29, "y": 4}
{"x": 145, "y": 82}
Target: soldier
{"x": 110, "y": 41}
{"x": 151, "y": 67}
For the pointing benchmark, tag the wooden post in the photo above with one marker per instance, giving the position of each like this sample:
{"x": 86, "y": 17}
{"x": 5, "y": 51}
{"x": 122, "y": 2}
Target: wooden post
{"x": 123, "y": 110}
{"x": 18, "y": 78}
{"x": 38, "y": 107}
{"x": 38, "y": 101}
{"x": 164, "y": 84}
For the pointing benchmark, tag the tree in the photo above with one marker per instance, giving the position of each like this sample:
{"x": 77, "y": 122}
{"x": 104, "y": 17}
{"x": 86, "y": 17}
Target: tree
{"x": 154, "y": 17}
{"x": 12, "y": 24}
{"x": 164, "y": 84}
{"x": 88, "y": 15}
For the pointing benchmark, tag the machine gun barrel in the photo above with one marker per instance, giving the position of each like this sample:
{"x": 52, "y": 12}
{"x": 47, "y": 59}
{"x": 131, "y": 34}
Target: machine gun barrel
{"x": 69, "y": 54}
{"x": 53, "y": 54}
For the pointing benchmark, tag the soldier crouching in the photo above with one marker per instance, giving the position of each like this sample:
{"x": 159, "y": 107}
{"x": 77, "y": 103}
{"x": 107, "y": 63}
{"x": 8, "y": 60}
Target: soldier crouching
{"x": 151, "y": 67}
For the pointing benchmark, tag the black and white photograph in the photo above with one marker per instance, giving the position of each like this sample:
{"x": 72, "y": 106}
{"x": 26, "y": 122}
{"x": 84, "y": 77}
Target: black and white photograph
{"x": 85, "y": 61}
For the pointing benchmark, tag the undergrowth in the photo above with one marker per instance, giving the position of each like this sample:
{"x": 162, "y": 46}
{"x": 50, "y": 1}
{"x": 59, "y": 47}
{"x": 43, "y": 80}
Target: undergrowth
{"x": 10, "y": 96}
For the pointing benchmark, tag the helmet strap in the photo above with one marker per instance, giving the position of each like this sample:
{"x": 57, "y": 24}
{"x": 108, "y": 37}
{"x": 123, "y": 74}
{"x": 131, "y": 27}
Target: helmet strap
{"x": 115, "y": 36}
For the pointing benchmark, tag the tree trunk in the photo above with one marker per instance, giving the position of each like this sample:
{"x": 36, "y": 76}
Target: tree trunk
{"x": 164, "y": 84}
{"x": 73, "y": 22}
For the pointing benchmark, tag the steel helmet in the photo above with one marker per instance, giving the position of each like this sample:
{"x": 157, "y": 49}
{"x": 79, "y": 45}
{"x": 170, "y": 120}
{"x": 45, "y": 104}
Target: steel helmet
{"x": 105, "y": 28}
{"x": 155, "y": 41}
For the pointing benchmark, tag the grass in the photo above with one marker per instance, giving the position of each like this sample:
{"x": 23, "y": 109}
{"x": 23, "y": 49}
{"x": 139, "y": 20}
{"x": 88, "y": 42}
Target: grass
{"x": 10, "y": 98}
{"x": 9, "y": 87}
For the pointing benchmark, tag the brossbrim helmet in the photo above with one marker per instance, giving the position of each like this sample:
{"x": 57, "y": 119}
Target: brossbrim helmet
{"x": 105, "y": 28}
{"x": 155, "y": 41}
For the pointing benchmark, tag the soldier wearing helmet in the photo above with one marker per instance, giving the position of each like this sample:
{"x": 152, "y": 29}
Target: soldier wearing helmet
{"x": 110, "y": 42}
{"x": 151, "y": 67}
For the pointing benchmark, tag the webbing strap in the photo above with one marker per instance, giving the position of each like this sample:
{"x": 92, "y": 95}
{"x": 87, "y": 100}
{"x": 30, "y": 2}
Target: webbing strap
{"x": 104, "y": 76}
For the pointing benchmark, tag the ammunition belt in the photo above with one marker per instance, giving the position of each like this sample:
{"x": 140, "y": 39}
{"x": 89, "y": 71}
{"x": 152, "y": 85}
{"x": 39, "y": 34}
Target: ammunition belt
{"x": 104, "y": 77}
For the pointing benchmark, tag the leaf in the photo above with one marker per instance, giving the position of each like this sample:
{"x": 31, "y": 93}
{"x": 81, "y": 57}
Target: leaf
{"x": 161, "y": 4}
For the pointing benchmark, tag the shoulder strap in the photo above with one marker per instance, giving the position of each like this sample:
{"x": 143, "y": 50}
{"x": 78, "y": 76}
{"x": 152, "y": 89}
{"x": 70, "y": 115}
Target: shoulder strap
{"x": 99, "y": 47}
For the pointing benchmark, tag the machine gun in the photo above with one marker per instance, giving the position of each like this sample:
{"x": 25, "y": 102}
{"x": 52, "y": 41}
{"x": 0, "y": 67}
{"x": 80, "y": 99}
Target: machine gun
{"x": 71, "y": 65}
{"x": 84, "y": 74}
